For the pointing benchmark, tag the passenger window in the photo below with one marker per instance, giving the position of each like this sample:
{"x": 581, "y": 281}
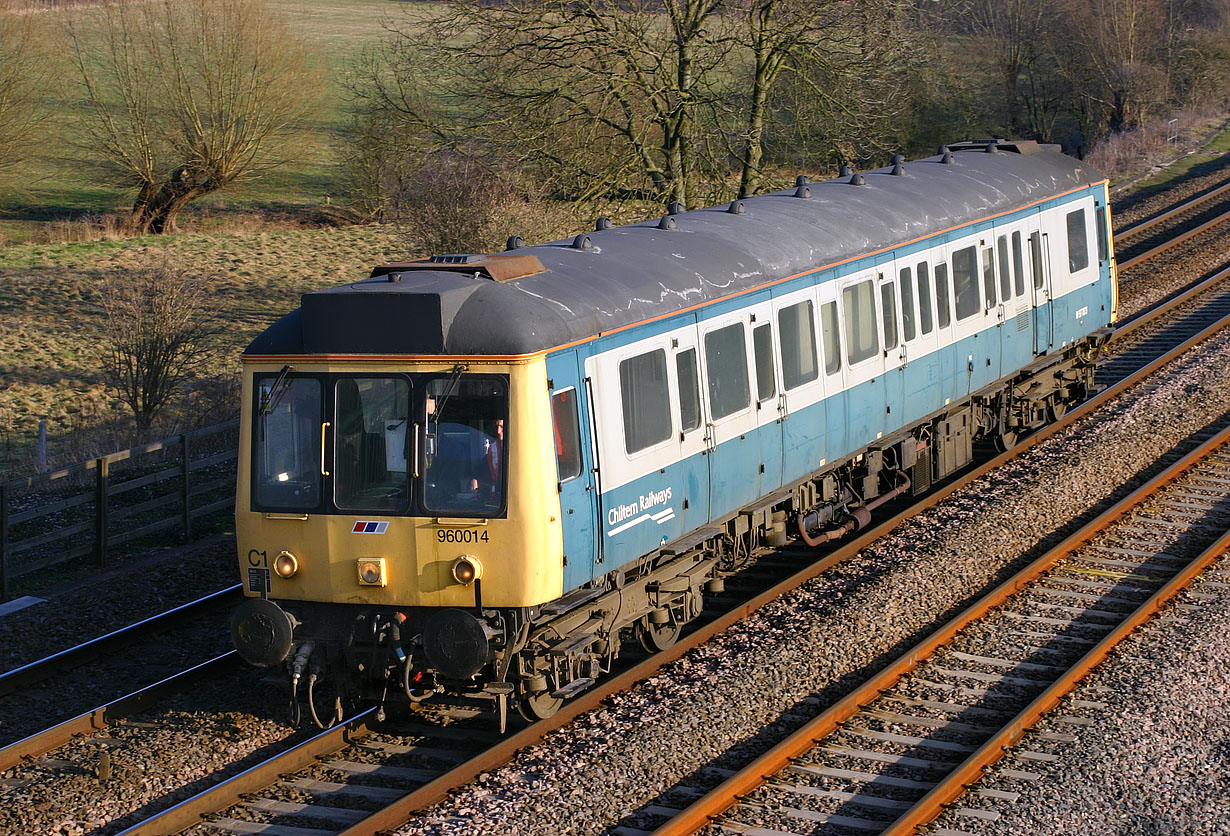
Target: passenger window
{"x": 1035, "y": 257}
{"x": 1099, "y": 220}
{"x": 762, "y": 347}
{"x": 1005, "y": 278}
{"x": 988, "y": 276}
{"x": 1018, "y": 264}
{"x": 965, "y": 282}
{"x": 908, "y": 326}
{"x": 1078, "y": 242}
{"x": 796, "y": 329}
{"x": 726, "y": 361}
{"x": 924, "y": 298}
{"x": 831, "y": 337}
{"x": 943, "y": 308}
{"x": 862, "y": 341}
{"x": 888, "y": 306}
{"x": 646, "y": 402}
{"x": 567, "y": 434}
{"x": 689, "y": 390}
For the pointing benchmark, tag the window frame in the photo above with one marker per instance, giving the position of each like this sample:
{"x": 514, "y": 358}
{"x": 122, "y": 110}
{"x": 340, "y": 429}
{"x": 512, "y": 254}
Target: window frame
{"x": 575, "y": 416}
{"x": 805, "y": 321}
{"x": 666, "y": 399}
{"x": 710, "y": 378}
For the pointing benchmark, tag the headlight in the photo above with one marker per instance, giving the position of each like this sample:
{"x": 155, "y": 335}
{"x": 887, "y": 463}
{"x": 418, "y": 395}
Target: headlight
{"x": 371, "y": 572}
{"x": 285, "y": 564}
{"x": 466, "y": 570}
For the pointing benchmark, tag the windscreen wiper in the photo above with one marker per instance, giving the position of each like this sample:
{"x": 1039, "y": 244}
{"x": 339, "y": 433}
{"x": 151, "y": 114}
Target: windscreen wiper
{"x": 277, "y": 391}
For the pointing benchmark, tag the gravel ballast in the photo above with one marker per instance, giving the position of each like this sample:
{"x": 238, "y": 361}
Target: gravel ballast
{"x": 1154, "y": 761}
{"x": 710, "y": 707}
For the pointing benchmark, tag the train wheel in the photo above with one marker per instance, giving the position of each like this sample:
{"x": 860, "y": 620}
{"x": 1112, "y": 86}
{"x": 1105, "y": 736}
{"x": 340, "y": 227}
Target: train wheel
{"x": 1005, "y": 441}
{"x": 534, "y": 707}
{"x": 656, "y": 637}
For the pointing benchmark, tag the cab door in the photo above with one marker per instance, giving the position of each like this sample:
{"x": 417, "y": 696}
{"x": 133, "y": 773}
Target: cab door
{"x": 576, "y": 472}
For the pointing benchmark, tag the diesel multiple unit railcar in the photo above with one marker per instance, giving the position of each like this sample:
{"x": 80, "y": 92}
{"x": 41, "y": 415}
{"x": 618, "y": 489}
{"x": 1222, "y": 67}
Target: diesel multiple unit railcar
{"x": 473, "y": 477}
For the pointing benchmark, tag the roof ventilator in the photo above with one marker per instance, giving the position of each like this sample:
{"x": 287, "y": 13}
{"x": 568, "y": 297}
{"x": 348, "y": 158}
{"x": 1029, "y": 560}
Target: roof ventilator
{"x": 802, "y": 180}
{"x": 394, "y": 277}
{"x": 897, "y": 159}
{"x": 676, "y": 208}
{"x": 667, "y": 222}
{"x": 845, "y": 171}
{"x": 515, "y": 242}
{"x": 582, "y": 242}
{"x": 602, "y": 223}
{"x": 737, "y": 208}
{"x": 948, "y": 158}
{"x": 858, "y": 180}
{"x": 992, "y": 147}
{"x": 803, "y": 192}
{"x": 898, "y": 170}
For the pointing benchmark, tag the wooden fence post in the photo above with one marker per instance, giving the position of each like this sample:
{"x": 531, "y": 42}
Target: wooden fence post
{"x": 186, "y": 470}
{"x": 4, "y": 542}
{"x": 101, "y": 501}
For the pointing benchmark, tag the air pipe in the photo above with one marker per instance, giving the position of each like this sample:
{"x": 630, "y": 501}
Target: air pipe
{"x": 859, "y": 518}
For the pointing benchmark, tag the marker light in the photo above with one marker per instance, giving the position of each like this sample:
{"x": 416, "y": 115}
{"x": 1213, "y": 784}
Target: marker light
{"x": 467, "y": 569}
{"x": 371, "y": 571}
{"x": 285, "y": 564}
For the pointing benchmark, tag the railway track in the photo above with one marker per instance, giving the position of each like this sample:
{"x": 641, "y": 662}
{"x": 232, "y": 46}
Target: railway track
{"x": 891, "y": 756}
{"x": 410, "y": 758}
{"x": 115, "y": 641}
{"x": 1147, "y": 239}
{"x": 323, "y": 803}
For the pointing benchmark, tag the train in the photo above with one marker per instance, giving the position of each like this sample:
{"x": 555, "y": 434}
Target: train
{"x": 471, "y": 479}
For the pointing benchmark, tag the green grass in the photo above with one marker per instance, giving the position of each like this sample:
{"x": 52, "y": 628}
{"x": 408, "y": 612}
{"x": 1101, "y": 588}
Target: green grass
{"x": 59, "y": 184}
{"x": 1206, "y": 156}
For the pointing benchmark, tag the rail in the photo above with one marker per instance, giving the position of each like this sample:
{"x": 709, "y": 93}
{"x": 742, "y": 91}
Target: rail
{"x": 760, "y": 772}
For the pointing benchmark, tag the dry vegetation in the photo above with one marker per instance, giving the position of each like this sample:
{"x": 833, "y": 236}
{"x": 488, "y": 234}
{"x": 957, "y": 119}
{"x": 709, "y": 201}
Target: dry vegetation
{"x": 459, "y": 148}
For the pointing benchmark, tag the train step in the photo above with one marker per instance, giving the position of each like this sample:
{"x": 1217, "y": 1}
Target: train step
{"x": 573, "y": 688}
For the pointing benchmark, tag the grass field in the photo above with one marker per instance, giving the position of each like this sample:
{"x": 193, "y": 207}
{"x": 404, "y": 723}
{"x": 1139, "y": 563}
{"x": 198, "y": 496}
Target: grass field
{"x": 51, "y": 318}
{"x": 58, "y": 185}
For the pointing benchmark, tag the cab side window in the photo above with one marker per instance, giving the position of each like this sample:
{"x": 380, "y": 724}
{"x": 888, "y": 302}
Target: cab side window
{"x": 567, "y": 434}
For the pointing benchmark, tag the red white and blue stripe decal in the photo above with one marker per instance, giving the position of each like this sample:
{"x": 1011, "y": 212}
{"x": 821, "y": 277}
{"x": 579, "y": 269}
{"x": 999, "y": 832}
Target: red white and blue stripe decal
{"x": 369, "y": 527}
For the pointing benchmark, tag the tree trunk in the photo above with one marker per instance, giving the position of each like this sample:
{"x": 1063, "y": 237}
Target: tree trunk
{"x": 159, "y": 204}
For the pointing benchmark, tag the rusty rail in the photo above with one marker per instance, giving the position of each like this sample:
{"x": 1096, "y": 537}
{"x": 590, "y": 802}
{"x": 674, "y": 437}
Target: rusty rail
{"x": 1156, "y": 220}
{"x": 1174, "y": 242}
{"x": 26, "y": 675}
{"x": 717, "y": 801}
{"x": 50, "y": 739}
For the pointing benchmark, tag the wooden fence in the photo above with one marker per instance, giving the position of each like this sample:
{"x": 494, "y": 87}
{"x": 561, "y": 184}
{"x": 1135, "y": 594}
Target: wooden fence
{"x": 92, "y": 507}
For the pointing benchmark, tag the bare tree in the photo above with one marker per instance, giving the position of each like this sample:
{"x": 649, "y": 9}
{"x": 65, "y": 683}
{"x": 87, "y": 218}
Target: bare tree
{"x": 601, "y": 97}
{"x": 186, "y": 97}
{"x": 24, "y": 77}
{"x": 843, "y": 61}
{"x": 160, "y": 333}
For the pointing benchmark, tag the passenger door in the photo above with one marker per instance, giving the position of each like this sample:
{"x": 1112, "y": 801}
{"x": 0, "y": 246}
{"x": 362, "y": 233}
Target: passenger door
{"x": 770, "y": 406}
{"x": 1040, "y": 274}
{"x": 803, "y": 407}
{"x": 730, "y": 432}
{"x": 693, "y": 446}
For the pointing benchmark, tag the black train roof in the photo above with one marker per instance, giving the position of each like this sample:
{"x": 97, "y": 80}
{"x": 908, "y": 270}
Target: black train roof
{"x": 630, "y": 274}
